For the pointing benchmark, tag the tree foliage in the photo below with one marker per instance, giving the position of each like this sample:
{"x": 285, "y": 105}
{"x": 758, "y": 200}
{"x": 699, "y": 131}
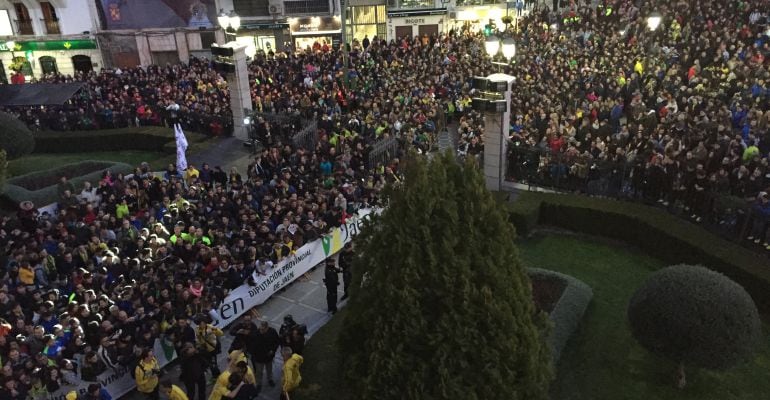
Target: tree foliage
{"x": 440, "y": 305}
{"x": 695, "y": 316}
{"x": 16, "y": 138}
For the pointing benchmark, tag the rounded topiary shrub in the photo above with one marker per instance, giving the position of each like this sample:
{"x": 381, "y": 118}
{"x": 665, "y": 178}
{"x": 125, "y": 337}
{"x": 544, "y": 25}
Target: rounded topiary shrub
{"x": 695, "y": 316}
{"x": 16, "y": 139}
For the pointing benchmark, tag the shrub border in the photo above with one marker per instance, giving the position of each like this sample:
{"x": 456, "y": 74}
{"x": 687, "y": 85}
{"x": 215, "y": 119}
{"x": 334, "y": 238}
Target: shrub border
{"x": 47, "y": 195}
{"x": 150, "y": 138}
{"x": 568, "y": 311}
{"x": 663, "y": 235}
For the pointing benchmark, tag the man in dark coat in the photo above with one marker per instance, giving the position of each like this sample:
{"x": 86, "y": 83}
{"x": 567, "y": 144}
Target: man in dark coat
{"x": 346, "y": 261}
{"x": 193, "y": 374}
{"x": 332, "y": 281}
{"x": 263, "y": 346}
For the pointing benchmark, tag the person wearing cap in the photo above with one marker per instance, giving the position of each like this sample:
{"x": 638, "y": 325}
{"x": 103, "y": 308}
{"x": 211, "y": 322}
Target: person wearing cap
{"x": 331, "y": 280}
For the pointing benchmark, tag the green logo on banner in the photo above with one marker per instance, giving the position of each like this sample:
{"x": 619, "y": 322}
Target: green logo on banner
{"x": 326, "y": 241}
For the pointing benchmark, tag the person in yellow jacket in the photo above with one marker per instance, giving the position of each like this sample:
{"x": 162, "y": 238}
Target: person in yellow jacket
{"x": 173, "y": 392}
{"x": 241, "y": 368}
{"x": 291, "y": 376}
{"x": 26, "y": 274}
{"x": 146, "y": 374}
{"x": 207, "y": 342}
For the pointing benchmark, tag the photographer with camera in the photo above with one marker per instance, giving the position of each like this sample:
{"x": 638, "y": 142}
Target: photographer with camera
{"x": 207, "y": 341}
{"x": 147, "y": 374}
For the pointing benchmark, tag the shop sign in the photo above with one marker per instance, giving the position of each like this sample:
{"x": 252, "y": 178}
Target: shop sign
{"x": 415, "y": 13}
{"x": 314, "y": 24}
{"x": 414, "y": 21}
{"x": 264, "y": 26}
{"x": 51, "y": 45}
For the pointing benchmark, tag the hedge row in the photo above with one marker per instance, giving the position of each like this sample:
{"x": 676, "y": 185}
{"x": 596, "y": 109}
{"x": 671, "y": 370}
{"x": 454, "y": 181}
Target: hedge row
{"x": 568, "y": 312}
{"x": 150, "y": 138}
{"x": 43, "y": 183}
{"x": 660, "y": 234}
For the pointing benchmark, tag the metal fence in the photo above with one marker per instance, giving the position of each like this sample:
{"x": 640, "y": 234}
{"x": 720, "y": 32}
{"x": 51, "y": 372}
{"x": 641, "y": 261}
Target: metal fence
{"x": 307, "y": 138}
{"x": 721, "y": 212}
{"x": 383, "y": 151}
{"x": 64, "y": 119}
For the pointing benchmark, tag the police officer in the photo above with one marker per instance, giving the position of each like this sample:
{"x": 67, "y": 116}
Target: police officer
{"x": 346, "y": 262}
{"x": 332, "y": 281}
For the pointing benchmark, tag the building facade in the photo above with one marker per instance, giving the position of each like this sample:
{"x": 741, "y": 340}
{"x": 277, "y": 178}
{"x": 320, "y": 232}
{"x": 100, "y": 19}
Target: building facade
{"x": 41, "y": 37}
{"x": 410, "y": 18}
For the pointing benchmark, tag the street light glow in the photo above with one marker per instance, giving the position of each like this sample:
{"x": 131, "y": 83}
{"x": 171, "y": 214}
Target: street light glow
{"x": 235, "y": 20}
{"x": 653, "y": 21}
{"x": 492, "y": 45}
{"x": 509, "y": 48}
{"x": 223, "y": 19}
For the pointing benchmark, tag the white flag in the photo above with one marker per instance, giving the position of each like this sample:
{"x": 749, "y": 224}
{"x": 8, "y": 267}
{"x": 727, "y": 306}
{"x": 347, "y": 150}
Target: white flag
{"x": 181, "y": 148}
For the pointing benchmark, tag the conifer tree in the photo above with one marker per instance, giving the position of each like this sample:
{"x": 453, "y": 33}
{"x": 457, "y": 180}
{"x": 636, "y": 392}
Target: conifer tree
{"x": 441, "y": 307}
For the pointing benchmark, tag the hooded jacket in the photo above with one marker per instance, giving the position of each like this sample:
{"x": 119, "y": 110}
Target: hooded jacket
{"x": 291, "y": 376}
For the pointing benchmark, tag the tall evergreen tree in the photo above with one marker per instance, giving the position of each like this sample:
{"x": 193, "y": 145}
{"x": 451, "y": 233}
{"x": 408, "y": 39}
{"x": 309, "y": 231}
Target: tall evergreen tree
{"x": 441, "y": 307}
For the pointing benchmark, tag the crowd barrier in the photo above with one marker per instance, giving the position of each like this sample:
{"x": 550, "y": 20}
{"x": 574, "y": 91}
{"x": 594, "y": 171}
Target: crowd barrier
{"x": 120, "y": 382}
{"x": 724, "y": 214}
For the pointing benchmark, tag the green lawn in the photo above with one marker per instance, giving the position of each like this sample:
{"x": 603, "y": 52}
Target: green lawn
{"x": 37, "y": 162}
{"x": 602, "y": 361}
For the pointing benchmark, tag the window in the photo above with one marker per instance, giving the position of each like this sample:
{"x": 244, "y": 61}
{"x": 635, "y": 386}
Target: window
{"x": 49, "y": 18}
{"x": 365, "y": 21}
{"x": 23, "y": 21}
{"x": 207, "y": 39}
{"x": 306, "y": 6}
{"x": 48, "y": 65}
{"x": 407, "y": 4}
{"x": 5, "y": 24}
{"x": 249, "y": 8}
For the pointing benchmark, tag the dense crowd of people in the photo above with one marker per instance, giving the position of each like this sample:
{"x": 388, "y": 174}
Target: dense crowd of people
{"x": 133, "y": 259}
{"x": 193, "y": 93}
{"x": 678, "y": 116}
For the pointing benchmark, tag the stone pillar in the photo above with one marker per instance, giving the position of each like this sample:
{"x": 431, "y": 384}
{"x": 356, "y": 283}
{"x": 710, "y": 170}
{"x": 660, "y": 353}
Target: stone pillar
{"x": 496, "y": 126}
{"x": 494, "y": 150}
{"x": 240, "y": 94}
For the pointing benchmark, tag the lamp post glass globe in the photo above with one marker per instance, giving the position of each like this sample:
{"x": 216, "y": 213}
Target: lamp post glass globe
{"x": 653, "y": 21}
{"x": 223, "y": 19}
{"x": 235, "y": 21}
{"x": 492, "y": 45}
{"x": 509, "y": 48}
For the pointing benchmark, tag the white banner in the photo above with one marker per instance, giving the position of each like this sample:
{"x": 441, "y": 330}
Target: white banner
{"x": 243, "y": 298}
{"x": 302, "y": 260}
{"x": 117, "y": 382}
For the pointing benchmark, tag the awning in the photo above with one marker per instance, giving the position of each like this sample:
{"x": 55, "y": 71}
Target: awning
{"x": 38, "y": 94}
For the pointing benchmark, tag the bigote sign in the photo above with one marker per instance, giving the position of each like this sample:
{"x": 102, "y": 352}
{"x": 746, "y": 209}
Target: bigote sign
{"x": 141, "y": 14}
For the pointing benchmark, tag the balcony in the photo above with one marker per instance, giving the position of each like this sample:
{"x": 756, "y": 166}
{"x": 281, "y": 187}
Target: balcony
{"x": 410, "y": 4}
{"x": 52, "y": 26}
{"x": 24, "y": 27}
{"x": 306, "y": 7}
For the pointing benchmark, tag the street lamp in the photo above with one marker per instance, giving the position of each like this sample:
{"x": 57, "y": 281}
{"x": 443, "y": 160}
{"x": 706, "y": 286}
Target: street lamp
{"x": 509, "y": 48}
{"x": 653, "y": 20}
{"x": 492, "y": 45}
{"x": 229, "y": 22}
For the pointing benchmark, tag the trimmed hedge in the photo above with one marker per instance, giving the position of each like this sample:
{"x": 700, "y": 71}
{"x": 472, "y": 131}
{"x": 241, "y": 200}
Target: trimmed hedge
{"x": 149, "y": 138}
{"x": 662, "y": 235}
{"x": 569, "y": 310}
{"x": 40, "y": 186}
